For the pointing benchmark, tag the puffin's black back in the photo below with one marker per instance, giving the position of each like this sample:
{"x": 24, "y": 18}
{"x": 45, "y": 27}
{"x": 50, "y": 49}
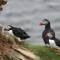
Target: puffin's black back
{"x": 19, "y": 32}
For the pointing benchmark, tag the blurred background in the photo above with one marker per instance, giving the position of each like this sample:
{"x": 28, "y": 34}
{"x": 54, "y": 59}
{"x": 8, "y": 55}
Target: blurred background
{"x": 27, "y": 15}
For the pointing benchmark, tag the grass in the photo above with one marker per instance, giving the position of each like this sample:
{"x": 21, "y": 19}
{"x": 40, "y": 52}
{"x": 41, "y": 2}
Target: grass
{"x": 43, "y": 52}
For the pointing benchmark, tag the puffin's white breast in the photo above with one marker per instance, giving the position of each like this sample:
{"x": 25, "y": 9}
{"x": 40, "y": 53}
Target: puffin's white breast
{"x": 52, "y": 42}
{"x": 10, "y": 32}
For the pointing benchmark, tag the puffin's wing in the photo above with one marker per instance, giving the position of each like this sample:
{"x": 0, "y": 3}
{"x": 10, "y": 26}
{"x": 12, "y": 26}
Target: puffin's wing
{"x": 57, "y": 41}
{"x": 51, "y": 34}
{"x": 21, "y": 32}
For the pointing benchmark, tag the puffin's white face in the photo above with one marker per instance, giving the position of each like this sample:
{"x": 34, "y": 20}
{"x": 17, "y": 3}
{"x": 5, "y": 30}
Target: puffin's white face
{"x": 7, "y": 28}
{"x": 8, "y": 31}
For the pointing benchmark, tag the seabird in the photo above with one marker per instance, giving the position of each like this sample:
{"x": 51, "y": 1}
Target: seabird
{"x": 18, "y": 32}
{"x": 48, "y": 34}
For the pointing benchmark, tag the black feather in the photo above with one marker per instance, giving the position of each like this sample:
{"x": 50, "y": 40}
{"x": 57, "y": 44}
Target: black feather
{"x": 19, "y": 32}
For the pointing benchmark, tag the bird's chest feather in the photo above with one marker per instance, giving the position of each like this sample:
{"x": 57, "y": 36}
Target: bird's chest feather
{"x": 44, "y": 35}
{"x": 52, "y": 42}
{"x": 10, "y": 32}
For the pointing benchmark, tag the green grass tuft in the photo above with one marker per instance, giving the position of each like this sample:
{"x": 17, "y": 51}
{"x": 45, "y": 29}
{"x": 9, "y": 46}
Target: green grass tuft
{"x": 43, "y": 52}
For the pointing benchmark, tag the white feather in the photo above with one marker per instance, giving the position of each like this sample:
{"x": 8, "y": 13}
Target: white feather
{"x": 52, "y": 43}
{"x": 11, "y": 33}
{"x": 50, "y": 35}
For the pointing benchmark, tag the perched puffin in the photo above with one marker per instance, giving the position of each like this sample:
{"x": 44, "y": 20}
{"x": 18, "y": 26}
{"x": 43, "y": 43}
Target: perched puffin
{"x": 18, "y": 32}
{"x": 48, "y": 34}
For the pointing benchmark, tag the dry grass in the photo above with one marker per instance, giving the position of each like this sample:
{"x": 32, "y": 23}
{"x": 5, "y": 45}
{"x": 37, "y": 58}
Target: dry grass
{"x": 11, "y": 49}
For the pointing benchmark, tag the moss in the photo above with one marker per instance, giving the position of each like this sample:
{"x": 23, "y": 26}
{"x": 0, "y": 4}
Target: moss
{"x": 43, "y": 52}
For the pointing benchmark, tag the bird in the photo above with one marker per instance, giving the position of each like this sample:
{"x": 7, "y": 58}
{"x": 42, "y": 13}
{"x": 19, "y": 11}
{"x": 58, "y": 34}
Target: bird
{"x": 48, "y": 34}
{"x": 18, "y": 32}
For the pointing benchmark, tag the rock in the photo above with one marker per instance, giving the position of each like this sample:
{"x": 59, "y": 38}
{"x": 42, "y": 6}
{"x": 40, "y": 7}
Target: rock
{"x": 28, "y": 54}
{"x": 2, "y": 2}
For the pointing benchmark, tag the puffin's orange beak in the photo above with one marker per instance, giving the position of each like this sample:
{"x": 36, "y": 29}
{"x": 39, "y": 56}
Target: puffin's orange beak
{"x": 41, "y": 23}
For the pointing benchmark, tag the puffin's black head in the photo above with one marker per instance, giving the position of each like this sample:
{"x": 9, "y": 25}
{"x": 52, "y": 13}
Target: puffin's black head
{"x": 45, "y": 22}
{"x": 9, "y": 27}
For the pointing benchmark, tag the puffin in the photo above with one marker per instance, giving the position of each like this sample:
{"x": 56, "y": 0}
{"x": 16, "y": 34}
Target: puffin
{"x": 48, "y": 34}
{"x": 18, "y": 32}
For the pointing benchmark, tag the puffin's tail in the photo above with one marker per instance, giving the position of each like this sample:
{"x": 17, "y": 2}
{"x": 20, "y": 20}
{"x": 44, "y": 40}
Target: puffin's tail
{"x": 27, "y": 36}
{"x": 57, "y": 41}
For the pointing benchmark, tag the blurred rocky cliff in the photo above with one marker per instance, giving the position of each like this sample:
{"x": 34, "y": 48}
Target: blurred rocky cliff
{"x": 11, "y": 49}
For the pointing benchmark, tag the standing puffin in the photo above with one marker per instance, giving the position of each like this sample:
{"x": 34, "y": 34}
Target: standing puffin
{"x": 48, "y": 34}
{"x": 18, "y": 32}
